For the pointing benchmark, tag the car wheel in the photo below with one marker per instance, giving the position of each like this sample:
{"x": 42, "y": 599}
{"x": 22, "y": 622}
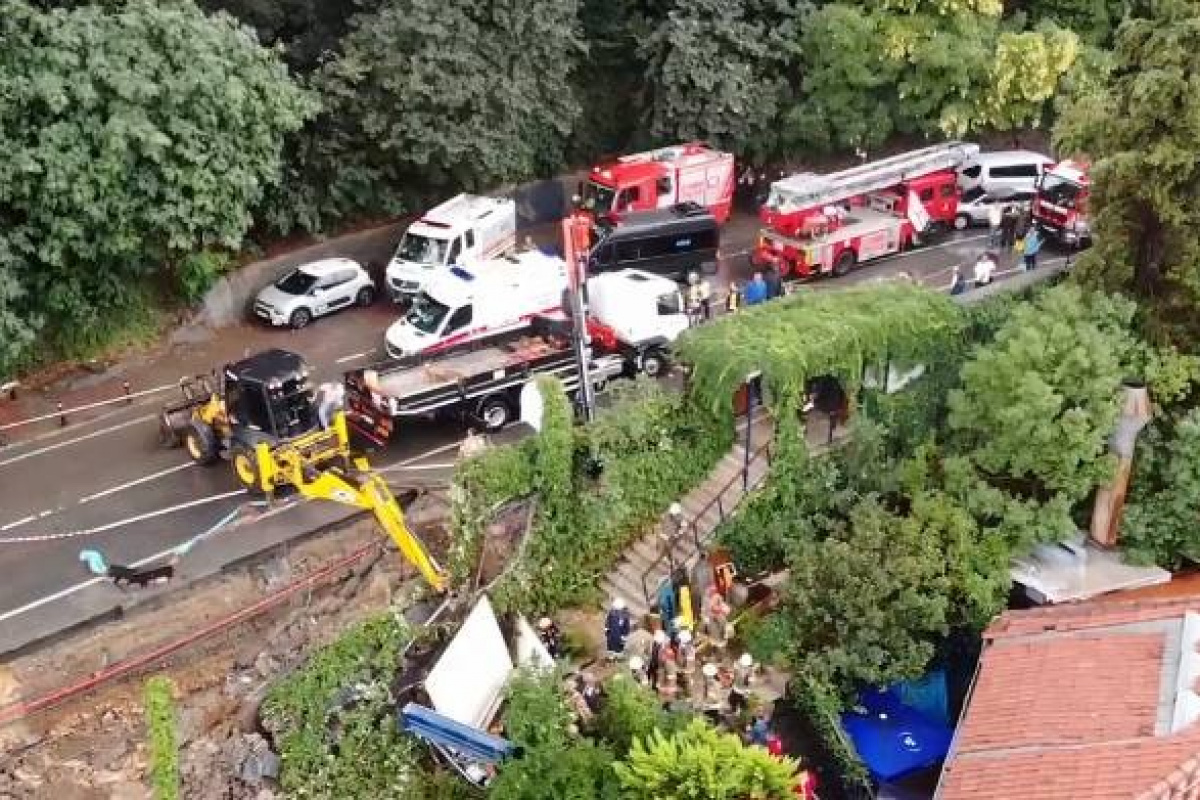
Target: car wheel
{"x": 300, "y": 318}
{"x": 494, "y": 413}
{"x": 962, "y": 222}
{"x": 365, "y": 297}
{"x": 845, "y": 263}
{"x": 654, "y": 363}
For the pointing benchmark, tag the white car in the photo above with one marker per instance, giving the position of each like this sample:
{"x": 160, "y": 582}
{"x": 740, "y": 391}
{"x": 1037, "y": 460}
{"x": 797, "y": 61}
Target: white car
{"x": 314, "y": 290}
{"x": 974, "y": 205}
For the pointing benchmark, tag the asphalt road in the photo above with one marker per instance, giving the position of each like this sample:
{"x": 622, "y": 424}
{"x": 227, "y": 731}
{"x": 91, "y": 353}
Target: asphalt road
{"x": 106, "y": 476}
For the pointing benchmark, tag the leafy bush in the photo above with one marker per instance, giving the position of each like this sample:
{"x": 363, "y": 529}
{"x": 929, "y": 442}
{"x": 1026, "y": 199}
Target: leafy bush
{"x": 164, "y": 744}
{"x": 631, "y": 712}
{"x": 698, "y": 761}
{"x": 333, "y": 719}
{"x": 1159, "y": 524}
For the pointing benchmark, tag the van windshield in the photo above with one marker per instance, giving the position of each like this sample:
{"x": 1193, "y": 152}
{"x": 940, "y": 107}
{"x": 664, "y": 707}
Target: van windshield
{"x": 426, "y": 314}
{"x": 598, "y": 199}
{"x": 1060, "y": 191}
{"x": 422, "y": 250}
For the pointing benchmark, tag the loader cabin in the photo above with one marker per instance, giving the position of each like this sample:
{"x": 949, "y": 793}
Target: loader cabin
{"x": 670, "y": 242}
{"x": 270, "y": 392}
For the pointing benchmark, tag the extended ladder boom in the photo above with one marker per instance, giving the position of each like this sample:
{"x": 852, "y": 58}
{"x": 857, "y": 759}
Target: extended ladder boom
{"x": 810, "y": 190}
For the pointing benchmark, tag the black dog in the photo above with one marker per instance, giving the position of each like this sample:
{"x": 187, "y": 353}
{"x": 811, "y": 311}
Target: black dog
{"x": 127, "y": 576}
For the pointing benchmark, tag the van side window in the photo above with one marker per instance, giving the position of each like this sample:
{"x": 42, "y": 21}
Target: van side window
{"x": 655, "y": 247}
{"x": 705, "y": 239}
{"x": 469, "y": 236}
{"x": 602, "y": 256}
{"x": 458, "y": 320}
{"x": 455, "y": 252}
{"x": 1015, "y": 171}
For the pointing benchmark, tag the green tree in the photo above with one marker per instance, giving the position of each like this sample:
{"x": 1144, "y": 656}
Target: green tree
{"x": 1094, "y": 20}
{"x": 866, "y": 604}
{"x": 307, "y": 30}
{"x": 700, "y": 762}
{"x": 17, "y": 330}
{"x": 1139, "y": 129}
{"x": 719, "y": 70}
{"x": 429, "y": 98}
{"x": 1159, "y": 524}
{"x": 131, "y": 136}
{"x": 1037, "y": 406}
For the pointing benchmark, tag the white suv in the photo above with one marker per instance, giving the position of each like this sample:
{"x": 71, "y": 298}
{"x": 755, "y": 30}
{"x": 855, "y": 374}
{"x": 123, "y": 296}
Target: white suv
{"x": 314, "y": 290}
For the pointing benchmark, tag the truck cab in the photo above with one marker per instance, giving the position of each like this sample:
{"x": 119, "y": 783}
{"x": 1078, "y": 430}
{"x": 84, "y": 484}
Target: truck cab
{"x": 1060, "y": 206}
{"x": 637, "y": 314}
{"x": 460, "y": 304}
{"x": 463, "y": 231}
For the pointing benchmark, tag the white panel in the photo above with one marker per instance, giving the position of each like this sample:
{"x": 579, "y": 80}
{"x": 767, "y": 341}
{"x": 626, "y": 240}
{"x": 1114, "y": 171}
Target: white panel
{"x": 467, "y": 681}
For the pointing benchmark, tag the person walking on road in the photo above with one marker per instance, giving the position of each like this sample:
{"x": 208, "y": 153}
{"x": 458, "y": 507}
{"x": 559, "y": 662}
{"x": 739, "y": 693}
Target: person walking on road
{"x": 756, "y": 290}
{"x": 995, "y": 220}
{"x": 1008, "y": 226}
{"x": 1031, "y": 247}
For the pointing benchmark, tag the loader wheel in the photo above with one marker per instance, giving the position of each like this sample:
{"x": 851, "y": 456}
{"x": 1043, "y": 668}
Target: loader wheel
{"x": 167, "y": 435}
{"x": 245, "y": 466}
{"x": 201, "y": 443}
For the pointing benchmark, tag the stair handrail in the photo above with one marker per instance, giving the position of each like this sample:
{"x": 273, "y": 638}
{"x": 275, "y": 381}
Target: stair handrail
{"x": 762, "y": 450}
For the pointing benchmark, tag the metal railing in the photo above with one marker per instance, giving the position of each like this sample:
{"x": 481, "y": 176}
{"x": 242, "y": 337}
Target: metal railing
{"x": 741, "y": 481}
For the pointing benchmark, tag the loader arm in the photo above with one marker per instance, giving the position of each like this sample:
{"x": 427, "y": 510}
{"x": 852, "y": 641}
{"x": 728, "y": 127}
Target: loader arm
{"x": 319, "y": 466}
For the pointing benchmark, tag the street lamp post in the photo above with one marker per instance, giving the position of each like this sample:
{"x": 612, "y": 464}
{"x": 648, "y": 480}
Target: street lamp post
{"x": 576, "y": 243}
{"x": 752, "y": 381}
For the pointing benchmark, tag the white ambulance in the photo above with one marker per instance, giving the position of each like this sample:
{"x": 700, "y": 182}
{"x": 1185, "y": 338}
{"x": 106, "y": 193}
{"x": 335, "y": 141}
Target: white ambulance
{"x": 460, "y": 305}
{"x": 462, "y": 231}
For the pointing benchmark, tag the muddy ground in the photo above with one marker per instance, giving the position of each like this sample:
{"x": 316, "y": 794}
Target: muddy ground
{"x": 93, "y": 747}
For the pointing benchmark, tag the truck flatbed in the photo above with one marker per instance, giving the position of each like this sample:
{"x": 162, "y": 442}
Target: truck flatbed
{"x": 454, "y": 369}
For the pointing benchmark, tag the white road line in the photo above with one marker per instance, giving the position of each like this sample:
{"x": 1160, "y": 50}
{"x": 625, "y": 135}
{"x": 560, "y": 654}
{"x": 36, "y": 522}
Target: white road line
{"x": 125, "y": 398}
{"x": 355, "y": 357}
{"x": 416, "y": 467}
{"x": 16, "y": 523}
{"x": 58, "y": 445}
{"x": 137, "y": 482}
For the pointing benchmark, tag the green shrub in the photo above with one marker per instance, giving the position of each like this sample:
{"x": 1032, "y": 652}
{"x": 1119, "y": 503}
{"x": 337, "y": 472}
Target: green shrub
{"x": 164, "y": 744}
{"x": 632, "y": 712}
{"x": 334, "y": 723}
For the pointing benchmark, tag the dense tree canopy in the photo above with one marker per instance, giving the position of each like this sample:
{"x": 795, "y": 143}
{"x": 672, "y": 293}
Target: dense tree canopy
{"x": 1140, "y": 129}
{"x": 131, "y": 138}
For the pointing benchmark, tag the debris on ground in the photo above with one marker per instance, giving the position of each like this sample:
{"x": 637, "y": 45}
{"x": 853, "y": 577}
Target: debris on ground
{"x": 94, "y": 746}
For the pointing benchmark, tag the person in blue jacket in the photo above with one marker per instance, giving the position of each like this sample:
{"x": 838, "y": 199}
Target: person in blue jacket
{"x": 1033, "y": 245}
{"x": 756, "y": 291}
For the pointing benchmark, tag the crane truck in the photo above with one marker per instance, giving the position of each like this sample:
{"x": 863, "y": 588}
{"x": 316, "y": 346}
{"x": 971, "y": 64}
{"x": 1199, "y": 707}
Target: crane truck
{"x": 820, "y": 224}
{"x": 260, "y": 414}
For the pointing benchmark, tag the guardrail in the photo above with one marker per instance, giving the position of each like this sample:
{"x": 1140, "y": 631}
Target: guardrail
{"x": 699, "y": 539}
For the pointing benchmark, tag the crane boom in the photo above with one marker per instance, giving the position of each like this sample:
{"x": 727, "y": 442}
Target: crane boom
{"x": 810, "y": 190}
{"x": 319, "y": 466}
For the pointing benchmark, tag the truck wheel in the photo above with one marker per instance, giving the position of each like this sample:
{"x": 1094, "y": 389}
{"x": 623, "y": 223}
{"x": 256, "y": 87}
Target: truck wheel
{"x": 845, "y": 262}
{"x": 245, "y": 467}
{"x": 654, "y": 363}
{"x": 962, "y": 222}
{"x": 494, "y": 413}
{"x": 201, "y": 443}
{"x": 300, "y": 318}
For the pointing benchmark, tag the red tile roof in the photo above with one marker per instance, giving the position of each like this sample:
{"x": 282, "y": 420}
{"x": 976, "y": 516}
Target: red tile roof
{"x": 1066, "y": 706}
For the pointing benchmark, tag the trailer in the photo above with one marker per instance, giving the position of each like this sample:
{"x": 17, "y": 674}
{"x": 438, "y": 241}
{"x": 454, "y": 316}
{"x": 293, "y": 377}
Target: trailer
{"x": 480, "y": 385}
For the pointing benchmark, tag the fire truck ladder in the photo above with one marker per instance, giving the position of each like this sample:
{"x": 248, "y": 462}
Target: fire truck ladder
{"x": 809, "y": 189}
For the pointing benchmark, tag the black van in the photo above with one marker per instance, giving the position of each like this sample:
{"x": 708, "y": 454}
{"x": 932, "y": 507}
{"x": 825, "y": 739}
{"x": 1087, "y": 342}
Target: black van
{"x": 670, "y": 242}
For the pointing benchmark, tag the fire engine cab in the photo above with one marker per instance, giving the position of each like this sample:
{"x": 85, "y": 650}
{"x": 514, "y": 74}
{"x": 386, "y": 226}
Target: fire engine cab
{"x": 686, "y": 173}
{"x": 817, "y": 224}
{"x": 1060, "y": 207}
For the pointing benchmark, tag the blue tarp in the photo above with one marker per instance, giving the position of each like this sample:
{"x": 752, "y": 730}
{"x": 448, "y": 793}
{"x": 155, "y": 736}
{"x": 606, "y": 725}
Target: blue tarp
{"x": 927, "y": 695}
{"x": 454, "y": 736}
{"x": 893, "y": 739}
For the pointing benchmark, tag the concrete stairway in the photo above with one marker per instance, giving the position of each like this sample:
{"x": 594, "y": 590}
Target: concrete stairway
{"x": 642, "y": 568}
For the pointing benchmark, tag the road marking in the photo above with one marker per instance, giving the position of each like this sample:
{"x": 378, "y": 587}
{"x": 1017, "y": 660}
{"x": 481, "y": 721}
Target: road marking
{"x": 108, "y": 526}
{"x": 58, "y": 445}
{"x": 137, "y": 482}
{"x": 416, "y": 467}
{"x": 355, "y": 357}
{"x": 16, "y": 523}
{"x": 125, "y": 398}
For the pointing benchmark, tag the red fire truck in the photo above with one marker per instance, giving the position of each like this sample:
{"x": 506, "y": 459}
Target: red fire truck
{"x": 662, "y": 178}
{"x": 1060, "y": 207}
{"x": 817, "y": 224}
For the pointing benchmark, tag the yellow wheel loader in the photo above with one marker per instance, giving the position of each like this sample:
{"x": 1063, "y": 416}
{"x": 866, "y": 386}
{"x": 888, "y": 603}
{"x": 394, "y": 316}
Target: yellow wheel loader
{"x": 260, "y": 414}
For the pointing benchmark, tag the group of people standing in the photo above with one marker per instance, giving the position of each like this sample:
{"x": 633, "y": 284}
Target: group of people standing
{"x": 1009, "y": 228}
